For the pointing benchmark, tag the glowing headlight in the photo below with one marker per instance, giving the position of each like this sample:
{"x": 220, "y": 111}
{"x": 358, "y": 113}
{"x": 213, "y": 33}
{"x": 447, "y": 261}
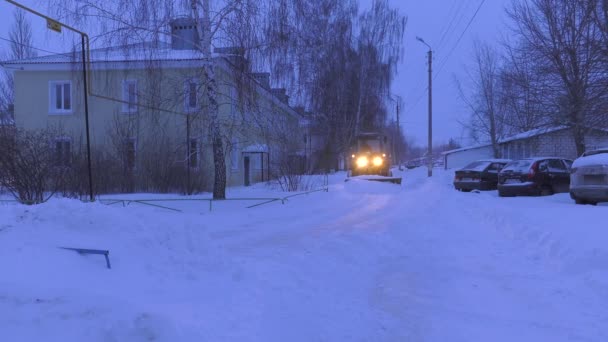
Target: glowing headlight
{"x": 362, "y": 162}
{"x": 377, "y": 161}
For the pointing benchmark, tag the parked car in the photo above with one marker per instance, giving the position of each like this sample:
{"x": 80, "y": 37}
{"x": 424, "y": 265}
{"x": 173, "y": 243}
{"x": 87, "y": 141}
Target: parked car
{"x": 589, "y": 177}
{"x": 479, "y": 175}
{"x": 535, "y": 177}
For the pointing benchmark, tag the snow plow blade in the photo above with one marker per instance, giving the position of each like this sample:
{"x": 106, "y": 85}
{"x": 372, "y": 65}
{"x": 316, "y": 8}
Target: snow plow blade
{"x": 394, "y": 180}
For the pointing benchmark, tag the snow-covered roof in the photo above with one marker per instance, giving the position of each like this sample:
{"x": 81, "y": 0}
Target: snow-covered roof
{"x": 466, "y": 148}
{"x": 256, "y": 148}
{"x": 533, "y": 133}
{"x": 118, "y": 54}
{"x": 524, "y": 135}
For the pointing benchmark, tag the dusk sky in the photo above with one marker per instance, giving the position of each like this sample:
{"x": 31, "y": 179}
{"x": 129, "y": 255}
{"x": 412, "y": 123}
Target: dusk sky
{"x": 428, "y": 19}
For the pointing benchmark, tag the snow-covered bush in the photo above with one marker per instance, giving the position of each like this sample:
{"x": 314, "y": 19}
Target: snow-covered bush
{"x": 31, "y": 167}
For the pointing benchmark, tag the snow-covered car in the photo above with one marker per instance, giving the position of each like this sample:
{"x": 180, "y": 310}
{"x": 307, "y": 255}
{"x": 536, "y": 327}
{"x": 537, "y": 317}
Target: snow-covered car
{"x": 589, "y": 177}
{"x": 535, "y": 177}
{"x": 479, "y": 175}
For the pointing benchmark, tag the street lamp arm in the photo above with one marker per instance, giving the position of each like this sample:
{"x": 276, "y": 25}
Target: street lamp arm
{"x": 423, "y": 42}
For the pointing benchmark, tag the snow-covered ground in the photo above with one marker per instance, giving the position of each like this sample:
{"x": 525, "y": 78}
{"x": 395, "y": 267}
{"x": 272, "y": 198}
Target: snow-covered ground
{"x": 366, "y": 261}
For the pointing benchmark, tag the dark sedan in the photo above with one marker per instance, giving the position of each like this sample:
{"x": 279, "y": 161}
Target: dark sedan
{"x": 479, "y": 175}
{"x": 535, "y": 177}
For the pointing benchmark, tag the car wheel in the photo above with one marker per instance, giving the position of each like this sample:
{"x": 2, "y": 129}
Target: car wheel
{"x": 501, "y": 194}
{"x": 465, "y": 190}
{"x": 580, "y": 201}
{"x": 546, "y": 191}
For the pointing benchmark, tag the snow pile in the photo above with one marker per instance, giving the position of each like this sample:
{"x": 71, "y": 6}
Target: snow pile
{"x": 366, "y": 261}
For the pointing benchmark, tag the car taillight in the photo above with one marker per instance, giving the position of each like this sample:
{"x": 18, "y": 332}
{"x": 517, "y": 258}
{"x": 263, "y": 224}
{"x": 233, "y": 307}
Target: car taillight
{"x": 533, "y": 170}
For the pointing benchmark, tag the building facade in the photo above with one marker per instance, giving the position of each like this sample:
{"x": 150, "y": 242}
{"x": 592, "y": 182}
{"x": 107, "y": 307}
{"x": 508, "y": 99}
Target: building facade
{"x": 542, "y": 142}
{"x": 149, "y": 114}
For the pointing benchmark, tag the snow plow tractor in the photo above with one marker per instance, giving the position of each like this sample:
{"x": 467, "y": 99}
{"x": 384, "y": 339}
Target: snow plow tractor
{"x": 370, "y": 159}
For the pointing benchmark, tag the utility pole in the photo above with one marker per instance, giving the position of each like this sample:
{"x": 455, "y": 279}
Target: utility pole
{"x": 430, "y": 143}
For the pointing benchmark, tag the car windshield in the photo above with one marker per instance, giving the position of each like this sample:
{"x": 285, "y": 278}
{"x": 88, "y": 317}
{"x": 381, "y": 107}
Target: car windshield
{"x": 519, "y": 165}
{"x": 477, "y": 166}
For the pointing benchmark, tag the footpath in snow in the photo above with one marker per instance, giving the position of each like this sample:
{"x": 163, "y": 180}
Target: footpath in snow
{"x": 366, "y": 261}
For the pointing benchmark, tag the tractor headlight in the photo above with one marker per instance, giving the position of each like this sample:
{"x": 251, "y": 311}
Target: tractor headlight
{"x": 362, "y": 162}
{"x": 377, "y": 161}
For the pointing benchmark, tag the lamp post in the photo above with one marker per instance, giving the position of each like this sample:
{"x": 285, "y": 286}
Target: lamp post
{"x": 430, "y": 143}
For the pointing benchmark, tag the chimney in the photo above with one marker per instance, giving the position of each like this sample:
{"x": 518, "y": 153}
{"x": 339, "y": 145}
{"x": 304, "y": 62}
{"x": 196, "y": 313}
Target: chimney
{"x": 262, "y": 78}
{"x": 281, "y": 94}
{"x": 235, "y": 55}
{"x": 184, "y": 34}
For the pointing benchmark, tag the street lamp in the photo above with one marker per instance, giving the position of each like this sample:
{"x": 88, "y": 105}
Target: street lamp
{"x": 430, "y": 144}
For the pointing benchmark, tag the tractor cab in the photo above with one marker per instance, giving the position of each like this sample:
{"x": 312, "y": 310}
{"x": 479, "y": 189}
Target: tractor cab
{"x": 370, "y": 157}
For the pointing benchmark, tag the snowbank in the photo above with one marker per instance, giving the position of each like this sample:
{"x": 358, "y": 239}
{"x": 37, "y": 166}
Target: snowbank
{"x": 366, "y": 261}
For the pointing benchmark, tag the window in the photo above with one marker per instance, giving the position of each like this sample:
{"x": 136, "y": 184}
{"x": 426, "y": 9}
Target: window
{"x": 556, "y": 165}
{"x": 129, "y": 154}
{"x": 129, "y": 96}
{"x": 194, "y": 153}
{"x": 60, "y": 97}
{"x": 495, "y": 167}
{"x": 63, "y": 152}
{"x": 191, "y": 96}
{"x": 234, "y": 154}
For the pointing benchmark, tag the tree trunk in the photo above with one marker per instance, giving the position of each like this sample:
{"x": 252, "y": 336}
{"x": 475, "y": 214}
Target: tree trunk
{"x": 219, "y": 157}
{"x": 579, "y": 139}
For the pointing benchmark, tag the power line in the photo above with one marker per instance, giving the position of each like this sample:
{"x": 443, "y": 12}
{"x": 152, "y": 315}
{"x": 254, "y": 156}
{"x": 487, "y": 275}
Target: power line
{"x": 446, "y": 58}
{"x": 454, "y": 12}
{"x": 459, "y": 39}
{"x": 453, "y": 24}
{"x": 33, "y": 47}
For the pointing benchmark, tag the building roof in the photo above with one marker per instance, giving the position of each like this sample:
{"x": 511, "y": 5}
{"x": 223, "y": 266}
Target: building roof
{"x": 520, "y": 136}
{"x": 533, "y": 133}
{"x": 126, "y": 53}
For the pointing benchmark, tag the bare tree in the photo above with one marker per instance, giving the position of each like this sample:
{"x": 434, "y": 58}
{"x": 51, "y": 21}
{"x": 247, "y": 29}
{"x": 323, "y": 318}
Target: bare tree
{"x": 563, "y": 36}
{"x": 20, "y": 47}
{"x": 525, "y": 92}
{"x": 485, "y": 103}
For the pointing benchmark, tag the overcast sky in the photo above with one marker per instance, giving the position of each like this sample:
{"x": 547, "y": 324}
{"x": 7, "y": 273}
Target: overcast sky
{"x": 430, "y": 19}
{"x": 440, "y": 23}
